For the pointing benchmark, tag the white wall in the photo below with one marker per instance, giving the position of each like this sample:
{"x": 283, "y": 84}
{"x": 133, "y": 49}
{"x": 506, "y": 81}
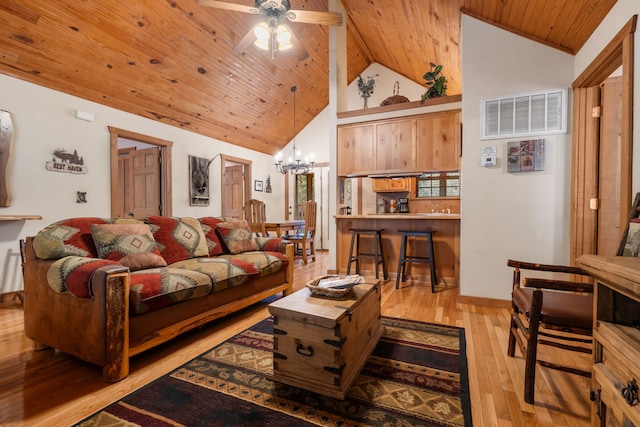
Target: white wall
{"x": 44, "y": 120}
{"x": 507, "y": 215}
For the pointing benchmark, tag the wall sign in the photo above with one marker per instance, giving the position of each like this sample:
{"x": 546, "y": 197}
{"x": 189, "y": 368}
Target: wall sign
{"x": 66, "y": 162}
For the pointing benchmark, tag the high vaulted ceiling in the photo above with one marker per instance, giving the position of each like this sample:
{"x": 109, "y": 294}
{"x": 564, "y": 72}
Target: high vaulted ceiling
{"x": 173, "y": 60}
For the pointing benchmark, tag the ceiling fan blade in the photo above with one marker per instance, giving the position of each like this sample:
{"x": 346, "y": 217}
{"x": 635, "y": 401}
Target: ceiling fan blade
{"x": 314, "y": 17}
{"x": 246, "y": 41}
{"x": 229, "y": 6}
{"x": 300, "y": 51}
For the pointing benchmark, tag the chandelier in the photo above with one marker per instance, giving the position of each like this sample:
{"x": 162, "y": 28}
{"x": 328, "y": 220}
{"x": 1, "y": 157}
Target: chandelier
{"x": 294, "y": 163}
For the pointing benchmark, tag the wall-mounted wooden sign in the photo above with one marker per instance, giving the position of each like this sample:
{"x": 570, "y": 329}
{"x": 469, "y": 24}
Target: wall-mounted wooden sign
{"x": 66, "y": 162}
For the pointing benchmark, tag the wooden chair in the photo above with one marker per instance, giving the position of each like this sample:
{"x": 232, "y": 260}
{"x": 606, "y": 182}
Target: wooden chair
{"x": 255, "y": 212}
{"x": 558, "y": 312}
{"x": 304, "y": 242}
{"x": 554, "y": 312}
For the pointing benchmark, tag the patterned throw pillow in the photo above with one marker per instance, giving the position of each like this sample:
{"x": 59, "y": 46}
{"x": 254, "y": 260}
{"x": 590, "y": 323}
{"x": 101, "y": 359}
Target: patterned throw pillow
{"x": 132, "y": 245}
{"x": 178, "y": 238}
{"x": 237, "y": 236}
{"x": 209, "y": 225}
{"x": 71, "y": 237}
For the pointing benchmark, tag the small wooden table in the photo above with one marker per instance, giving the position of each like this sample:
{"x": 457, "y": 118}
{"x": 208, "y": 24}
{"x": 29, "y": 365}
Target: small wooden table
{"x": 321, "y": 344}
{"x": 284, "y": 226}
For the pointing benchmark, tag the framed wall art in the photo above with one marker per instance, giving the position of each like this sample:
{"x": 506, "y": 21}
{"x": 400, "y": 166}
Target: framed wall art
{"x": 525, "y": 156}
{"x": 199, "y": 181}
{"x": 258, "y": 185}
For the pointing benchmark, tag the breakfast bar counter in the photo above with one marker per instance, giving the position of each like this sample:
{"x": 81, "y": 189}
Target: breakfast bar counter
{"x": 403, "y": 216}
{"x": 446, "y": 241}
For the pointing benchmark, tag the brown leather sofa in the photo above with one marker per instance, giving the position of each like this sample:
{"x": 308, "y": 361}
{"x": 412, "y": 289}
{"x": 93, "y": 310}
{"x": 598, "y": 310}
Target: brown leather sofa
{"x": 103, "y": 319}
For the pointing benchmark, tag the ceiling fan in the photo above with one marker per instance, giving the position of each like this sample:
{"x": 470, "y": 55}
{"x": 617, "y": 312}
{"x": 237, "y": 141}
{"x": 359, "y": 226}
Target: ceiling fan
{"x": 272, "y": 33}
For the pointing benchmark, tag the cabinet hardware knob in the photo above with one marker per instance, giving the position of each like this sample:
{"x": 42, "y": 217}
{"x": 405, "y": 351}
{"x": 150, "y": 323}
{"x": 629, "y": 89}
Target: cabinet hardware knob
{"x": 630, "y": 392}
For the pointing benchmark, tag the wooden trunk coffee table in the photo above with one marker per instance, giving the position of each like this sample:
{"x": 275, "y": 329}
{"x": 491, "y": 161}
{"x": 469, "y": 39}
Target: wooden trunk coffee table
{"x": 320, "y": 343}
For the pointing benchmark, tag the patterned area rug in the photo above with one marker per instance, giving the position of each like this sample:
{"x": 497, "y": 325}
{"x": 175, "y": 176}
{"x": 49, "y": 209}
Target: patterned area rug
{"x": 416, "y": 376}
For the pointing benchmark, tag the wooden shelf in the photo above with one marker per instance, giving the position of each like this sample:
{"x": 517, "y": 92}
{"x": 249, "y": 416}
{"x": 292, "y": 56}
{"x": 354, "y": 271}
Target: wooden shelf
{"x": 19, "y": 217}
{"x": 402, "y": 106}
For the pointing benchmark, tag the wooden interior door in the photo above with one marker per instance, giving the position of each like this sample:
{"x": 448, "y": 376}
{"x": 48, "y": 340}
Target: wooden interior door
{"x": 609, "y": 166}
{"x": 124, "y": 177}
{"x": 233, "y": 201}
{"x": 617, "y": 55}
{"x": 144, "y": 182}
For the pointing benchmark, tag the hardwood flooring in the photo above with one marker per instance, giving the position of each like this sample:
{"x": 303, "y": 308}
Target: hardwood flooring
{"x": 49, "y": 388}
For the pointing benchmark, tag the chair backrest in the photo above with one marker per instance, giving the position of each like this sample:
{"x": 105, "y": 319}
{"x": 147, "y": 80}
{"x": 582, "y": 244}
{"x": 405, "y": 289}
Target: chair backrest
{"x": 256, "y": 216}
{"x": 309, "y": 212}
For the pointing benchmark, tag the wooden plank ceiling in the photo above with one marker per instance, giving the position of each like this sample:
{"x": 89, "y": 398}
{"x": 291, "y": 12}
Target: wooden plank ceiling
{"x": 172, "y": 60}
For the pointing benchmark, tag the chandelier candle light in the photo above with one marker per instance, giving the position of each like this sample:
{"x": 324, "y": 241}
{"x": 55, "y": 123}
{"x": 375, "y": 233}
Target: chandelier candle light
{"x": 294, "y": 163}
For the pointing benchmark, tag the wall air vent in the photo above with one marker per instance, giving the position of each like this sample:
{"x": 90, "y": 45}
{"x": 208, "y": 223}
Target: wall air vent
{"x": 542, "y": 113}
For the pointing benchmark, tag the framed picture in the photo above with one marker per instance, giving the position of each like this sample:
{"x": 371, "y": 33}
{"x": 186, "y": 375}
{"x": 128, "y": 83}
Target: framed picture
{"x": 257, "y": 185}
{"x": 525, "y": 156}
{"x": 632, "y": 240}
{"x": 199, "y": 182}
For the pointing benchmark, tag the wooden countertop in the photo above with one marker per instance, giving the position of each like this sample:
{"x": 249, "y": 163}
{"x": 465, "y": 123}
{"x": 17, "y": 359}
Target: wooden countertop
{"x": 402, "y": 216}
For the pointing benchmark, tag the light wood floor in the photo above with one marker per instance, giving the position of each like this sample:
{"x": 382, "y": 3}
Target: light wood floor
{"x": 52, "y": 389}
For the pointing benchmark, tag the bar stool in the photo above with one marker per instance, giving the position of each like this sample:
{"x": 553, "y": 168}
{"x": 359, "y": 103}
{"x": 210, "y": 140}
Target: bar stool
{"x": 378, "y": 252}
{"x": 405, "y": 258}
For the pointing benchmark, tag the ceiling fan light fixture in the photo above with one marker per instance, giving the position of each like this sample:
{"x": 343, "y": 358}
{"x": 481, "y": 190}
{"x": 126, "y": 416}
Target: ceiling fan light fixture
{"x": 262, "y": 32}
{"x": 284, "y": 45}
{"x": 283, "y": 36}
{"x": 261, "y": 44}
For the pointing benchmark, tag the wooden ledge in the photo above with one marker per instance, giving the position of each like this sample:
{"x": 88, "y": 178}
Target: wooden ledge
{"x": 19, "y": 217}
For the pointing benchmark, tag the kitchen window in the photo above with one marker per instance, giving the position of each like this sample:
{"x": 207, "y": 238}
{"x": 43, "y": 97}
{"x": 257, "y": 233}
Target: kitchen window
{"x": 439, "y": 184}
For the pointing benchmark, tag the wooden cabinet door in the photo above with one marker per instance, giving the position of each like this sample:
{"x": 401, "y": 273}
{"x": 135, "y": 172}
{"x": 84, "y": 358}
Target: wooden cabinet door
{"x": 438, "y": 141}
{"x": 395, "y": 145}
{"x": 356, "y": 148}
{"x": 392, "y": 185}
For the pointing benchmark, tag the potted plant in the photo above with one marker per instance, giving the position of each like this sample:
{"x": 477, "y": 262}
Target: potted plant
{"x": 436, "y": 85}
{"x": 365, "y": 87}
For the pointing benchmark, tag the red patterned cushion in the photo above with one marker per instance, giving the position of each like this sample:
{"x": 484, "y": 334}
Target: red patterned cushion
{"x": 160, "y": 287}
{"x": 178, "y": 238}
{"x": 264, "y": 263}
{"x": 237, "y": 236}
{"x": 70, "y": 237}
{"x": 72, "y": 274}
{"x": 209, "y": 225}
{"x": 224, "y": 272}
{"x": 271, "y": 244}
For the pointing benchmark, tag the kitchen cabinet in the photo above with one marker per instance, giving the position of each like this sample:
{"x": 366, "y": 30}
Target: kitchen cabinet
{"x": 393, "y": 185}
{"x": 421, "y": 143}
{"x": 356, "y": 148}
{"x": 616, "y": 339}
{"x": 395, "y": 140}
{"x": 439, "y": 136}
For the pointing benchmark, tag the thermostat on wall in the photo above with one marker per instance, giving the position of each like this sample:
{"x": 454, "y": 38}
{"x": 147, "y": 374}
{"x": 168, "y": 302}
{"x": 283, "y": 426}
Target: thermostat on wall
{"x": 488, "y": 156}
